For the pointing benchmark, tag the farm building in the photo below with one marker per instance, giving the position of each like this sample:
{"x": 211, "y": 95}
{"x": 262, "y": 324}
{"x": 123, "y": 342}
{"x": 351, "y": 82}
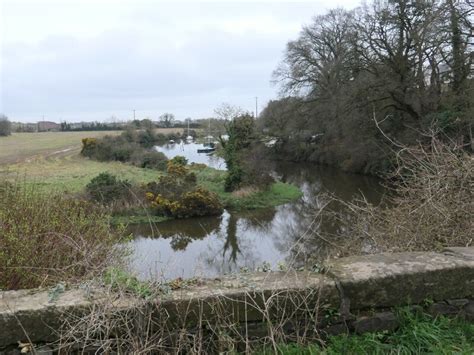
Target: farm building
{"x": 47, "y": 126}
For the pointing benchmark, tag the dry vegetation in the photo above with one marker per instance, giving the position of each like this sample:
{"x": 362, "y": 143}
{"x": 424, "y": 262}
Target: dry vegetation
{"x": 48, "y": 238}
{"x": 429, "y": 207}
{"x": 205, "y": 326}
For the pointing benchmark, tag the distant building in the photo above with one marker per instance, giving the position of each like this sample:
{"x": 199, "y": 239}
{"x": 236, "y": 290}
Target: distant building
{"x": 47, "y": 126}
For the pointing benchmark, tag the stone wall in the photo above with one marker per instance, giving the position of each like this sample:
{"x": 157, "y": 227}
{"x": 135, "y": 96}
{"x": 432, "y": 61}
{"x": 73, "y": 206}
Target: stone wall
{"x": 353, "y": 294}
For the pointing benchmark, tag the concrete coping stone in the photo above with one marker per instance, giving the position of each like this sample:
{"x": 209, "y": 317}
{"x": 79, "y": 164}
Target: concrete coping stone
{"x": 391, "y": 279}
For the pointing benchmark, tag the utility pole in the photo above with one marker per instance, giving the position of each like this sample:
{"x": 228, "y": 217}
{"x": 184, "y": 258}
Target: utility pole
{"x": 134, "y": 114}
{"x": 256, "y": 105}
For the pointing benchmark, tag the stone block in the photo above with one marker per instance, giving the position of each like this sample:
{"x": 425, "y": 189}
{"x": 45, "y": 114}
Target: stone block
{"x": 336, "y": 329}
{"x": 468, "y": 311}
{"x": 443, "y": 308}
{"x": 460, "y": 302}
{"x": 463, "y": 252}
{"x": 392, "y": 279}
{"x": 376, "y": 323}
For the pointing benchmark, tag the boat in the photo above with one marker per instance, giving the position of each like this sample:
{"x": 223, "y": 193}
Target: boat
{"x": 209, "y": 145}
{"x": 206, "y": 150}
{"x": 209, "y": 141}
{"x": 189, "y": 138}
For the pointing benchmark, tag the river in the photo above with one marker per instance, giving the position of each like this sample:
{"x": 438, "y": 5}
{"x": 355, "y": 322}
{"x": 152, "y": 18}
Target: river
{"x": 275, "y": 237}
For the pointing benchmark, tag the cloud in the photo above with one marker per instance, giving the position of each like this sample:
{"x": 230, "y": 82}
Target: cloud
{"x": 153, "y": 57}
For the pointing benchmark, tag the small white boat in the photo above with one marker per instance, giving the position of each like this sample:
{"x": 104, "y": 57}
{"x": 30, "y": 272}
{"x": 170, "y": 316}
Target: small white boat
{"x": 189, "y": 138}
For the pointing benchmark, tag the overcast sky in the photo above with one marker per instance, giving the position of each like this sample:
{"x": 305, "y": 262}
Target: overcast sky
{"x": 89, "y": 60}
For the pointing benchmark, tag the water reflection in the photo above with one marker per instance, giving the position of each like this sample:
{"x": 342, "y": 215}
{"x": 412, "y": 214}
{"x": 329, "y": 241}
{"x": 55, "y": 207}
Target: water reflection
{"x": 216, "y": 245}
{"x": 189, "y": 150}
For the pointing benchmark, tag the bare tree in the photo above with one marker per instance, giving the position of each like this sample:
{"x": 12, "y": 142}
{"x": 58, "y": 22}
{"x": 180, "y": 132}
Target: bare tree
{"x": 228, "y": 112}
{"x": 167, "y": 120}
{"x": 318, "y": 63}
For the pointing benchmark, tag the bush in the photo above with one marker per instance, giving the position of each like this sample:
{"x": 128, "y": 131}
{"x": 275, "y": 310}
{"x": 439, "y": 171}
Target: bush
{"x": 48, "y": 238}
{"x": 151, "y": 160}
{"x": 89, "y": 146}
{"x": 146, "y": 138}
{"x": 128, "y": 147}
{"x": 199, "y": 202}
{"x": 5, "y": 126}
{"x": 177, "y": 194}
{"x": 179, "y": 160}
{"x": 106, "y": 188}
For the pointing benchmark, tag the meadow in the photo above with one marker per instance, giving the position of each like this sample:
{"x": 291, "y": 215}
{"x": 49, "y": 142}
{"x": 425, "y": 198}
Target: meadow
{"x": 52, "y": 160}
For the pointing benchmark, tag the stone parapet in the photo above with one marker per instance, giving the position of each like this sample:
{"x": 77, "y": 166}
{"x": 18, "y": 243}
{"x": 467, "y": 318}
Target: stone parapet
{"x": 252, "y": 301}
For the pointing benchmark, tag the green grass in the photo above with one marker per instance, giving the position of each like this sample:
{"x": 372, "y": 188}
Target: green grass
{"x": 73, "y": 172}
{"x": 52, "y": 161}
{"x": 119, "y": 279}
{"x": 278, "y": 193}
{"x": 418, "y": 334}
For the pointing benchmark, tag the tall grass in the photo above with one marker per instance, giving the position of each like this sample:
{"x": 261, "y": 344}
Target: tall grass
{"x": 47, "y": 238}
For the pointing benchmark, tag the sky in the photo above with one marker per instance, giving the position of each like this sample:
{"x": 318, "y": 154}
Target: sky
{"x": 87, "y": 60}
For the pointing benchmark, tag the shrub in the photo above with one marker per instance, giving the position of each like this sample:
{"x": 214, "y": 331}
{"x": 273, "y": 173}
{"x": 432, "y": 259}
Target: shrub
{"x": 130, "y": 146}
{"x": 179, "y": 160}
{"x": 177, "y": 194}
{"x": 48, "y": 238}
{"x": 89, "y": 146}
{"x": 151, "y": 160}
{"x": 5, "y": 126}
{"x": 106, "y": 188}
{"x": 146, "y": 138}
{"x": 199, "y": 202}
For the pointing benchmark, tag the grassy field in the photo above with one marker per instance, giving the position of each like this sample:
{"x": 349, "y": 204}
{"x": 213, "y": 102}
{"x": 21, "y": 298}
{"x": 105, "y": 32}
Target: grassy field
{"x": 52, "y": 160}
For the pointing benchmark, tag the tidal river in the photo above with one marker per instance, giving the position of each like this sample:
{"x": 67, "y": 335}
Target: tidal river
{"x": 275, "y": 237}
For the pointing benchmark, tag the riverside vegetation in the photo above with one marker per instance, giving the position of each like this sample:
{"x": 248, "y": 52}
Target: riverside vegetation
{"x": 183, "y": 190}
{"x": 401, "y": 67}
{"x": 381, "y": 88}
{"x": 34, "y": 217}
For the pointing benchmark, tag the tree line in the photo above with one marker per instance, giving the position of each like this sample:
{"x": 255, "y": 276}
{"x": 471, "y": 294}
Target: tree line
{"x": 390, "y": 71}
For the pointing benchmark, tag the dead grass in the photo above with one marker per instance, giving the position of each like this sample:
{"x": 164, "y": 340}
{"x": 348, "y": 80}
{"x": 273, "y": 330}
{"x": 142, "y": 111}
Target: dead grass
{"x": 244, "y": 192}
